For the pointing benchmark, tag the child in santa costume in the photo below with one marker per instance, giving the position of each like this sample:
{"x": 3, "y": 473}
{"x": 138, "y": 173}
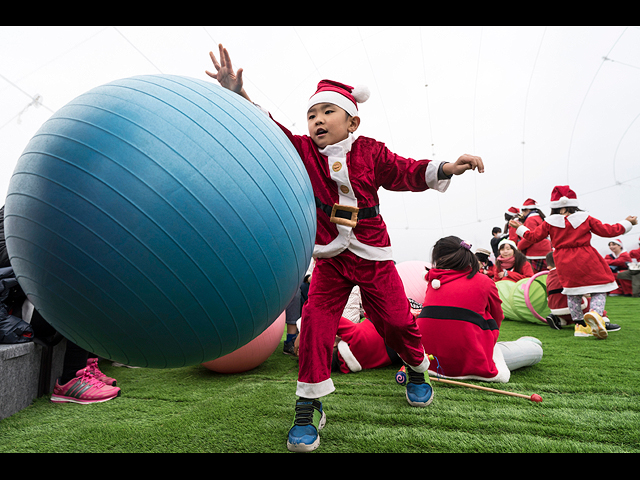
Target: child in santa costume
{"x": 352, "y": 243}
{"x": 359, "y": 347}
{"x": 632, "y": 274}
{"x": 581, "y": 269}
{"x": 511, "y": 264}
{"x": 536, "y": 252}
{"x": 618, "y": 261}
{"x": 461, "y": 318}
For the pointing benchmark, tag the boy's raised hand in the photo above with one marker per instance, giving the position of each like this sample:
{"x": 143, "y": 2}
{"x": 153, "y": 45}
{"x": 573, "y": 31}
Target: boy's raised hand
{"x": 224, "y": 73}
{"x": 464, "y": 163}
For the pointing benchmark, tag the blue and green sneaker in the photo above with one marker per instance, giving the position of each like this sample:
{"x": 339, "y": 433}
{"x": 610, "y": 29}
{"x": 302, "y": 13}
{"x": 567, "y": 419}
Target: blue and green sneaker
{"x": 309, "y": 420}
{"x": 419, "y": 391}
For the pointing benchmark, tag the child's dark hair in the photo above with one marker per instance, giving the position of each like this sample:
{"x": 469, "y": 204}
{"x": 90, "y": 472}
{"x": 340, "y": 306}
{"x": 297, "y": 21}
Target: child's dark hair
{"x": 455, "y": 254}
{"x": 536, "y": 210}
{"x": 569, "y": 210}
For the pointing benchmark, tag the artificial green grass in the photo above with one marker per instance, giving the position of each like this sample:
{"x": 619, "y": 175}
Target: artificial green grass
{"x": 590, "y": 390}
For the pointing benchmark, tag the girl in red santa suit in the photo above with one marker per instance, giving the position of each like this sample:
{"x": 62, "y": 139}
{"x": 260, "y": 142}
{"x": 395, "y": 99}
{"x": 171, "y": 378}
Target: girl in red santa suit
{"x": 511, "y": 264}
{"x": 352, "y": 243}
{"x": 461, "y": 318}
{"x": 536, "y": 253}
{"x": 581, "y": 269}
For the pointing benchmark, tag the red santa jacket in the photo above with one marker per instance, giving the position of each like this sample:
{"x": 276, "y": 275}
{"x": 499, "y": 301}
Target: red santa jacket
{"x": 620, "y": 261}
{"x": 350, "y": 173}
{"x": 460, "y": 324}
{"x": 581, "y": 268}
{"x": 537, "y": 250}
{"x": 635, "y": 254}
{"x": 361, "y": 347}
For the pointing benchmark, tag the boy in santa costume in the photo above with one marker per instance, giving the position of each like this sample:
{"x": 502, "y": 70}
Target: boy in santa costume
{"x": 352, "y": 243}
{"x": 581, "y": 269}
{"x": 536, "y": 252}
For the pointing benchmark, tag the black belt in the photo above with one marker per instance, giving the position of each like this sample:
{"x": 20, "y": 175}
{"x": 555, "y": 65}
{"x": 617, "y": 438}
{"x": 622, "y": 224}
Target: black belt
{"x": 347, "y": 215}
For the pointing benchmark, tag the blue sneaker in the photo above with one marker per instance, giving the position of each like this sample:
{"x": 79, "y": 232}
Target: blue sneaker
{"x": 419, "y": 391}
{"x": 309, "y": 420}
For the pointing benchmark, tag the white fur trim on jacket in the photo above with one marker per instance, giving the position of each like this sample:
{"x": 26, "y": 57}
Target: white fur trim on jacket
{"x": 348, "y": 356}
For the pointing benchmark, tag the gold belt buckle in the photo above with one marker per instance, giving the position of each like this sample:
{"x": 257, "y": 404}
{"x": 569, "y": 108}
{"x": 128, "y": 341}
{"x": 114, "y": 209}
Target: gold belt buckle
{"x": 352, "y": 222}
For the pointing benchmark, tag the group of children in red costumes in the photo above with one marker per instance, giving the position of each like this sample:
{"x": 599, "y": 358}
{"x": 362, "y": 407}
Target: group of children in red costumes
{"x": 353, "y": 248}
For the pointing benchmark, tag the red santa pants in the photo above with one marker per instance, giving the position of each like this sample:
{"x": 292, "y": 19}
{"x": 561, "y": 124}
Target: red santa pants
{"x": 384, "y": 301}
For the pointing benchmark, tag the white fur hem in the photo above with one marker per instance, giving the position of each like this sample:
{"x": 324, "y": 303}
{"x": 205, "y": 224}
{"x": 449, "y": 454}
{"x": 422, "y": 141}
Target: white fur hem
{"x": 607, "y": 287}
{"x": 315, "y": 390}
{"x": 423, "y": 367}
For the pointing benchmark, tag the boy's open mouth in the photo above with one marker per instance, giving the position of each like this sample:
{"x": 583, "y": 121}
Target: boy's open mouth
{"x": 321, "y": 131}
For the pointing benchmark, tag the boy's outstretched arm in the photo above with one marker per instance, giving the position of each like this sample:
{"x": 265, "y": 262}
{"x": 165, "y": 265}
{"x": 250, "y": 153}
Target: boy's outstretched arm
{"x": 225, "y": 75}
{"x": 464, "y": 163}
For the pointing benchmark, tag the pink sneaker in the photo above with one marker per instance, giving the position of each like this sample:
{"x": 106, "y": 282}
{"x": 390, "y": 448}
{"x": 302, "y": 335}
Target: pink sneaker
{"x": 92, "y": 367}
{"x": 84, "y": 389}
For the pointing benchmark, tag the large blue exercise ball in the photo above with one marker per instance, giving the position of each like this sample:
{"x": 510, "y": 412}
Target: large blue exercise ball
{"x": 160, "y": 221}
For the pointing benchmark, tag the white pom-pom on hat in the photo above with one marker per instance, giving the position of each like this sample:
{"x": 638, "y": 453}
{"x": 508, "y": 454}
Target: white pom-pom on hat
{"x": 361, "y": 93}
{"x": 435, "y": 283}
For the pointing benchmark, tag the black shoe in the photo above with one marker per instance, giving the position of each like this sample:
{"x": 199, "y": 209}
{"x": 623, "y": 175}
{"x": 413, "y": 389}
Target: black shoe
{"x": 554, "y": 322}
{"x": 612, "y": 327}
{"x": 288, "y": 348}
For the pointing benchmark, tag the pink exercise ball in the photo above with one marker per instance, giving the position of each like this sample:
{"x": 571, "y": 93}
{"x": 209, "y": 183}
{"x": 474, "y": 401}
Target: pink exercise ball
{"x": 254, "y": 353}
{"x": 412, "y": 273}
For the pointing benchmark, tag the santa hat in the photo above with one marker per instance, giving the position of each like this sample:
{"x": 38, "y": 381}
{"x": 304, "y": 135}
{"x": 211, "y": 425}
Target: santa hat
{"x": 617, "y": 241}
{"x": 513, "y": 211}
{"x": 529, "y": 204}
{"x": 563, "y": 196}
{"x": 510, "y": 242}
{"x": 344, "y": 96}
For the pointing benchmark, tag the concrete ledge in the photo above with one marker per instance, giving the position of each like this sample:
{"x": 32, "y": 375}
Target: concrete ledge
{"x": 20, "y": 368}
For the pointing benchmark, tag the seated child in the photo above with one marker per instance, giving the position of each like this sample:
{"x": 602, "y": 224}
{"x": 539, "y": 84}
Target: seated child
{"x": 618, "y": 261}
{"x": 461, "y": 318}
{"x": 484, "y": 261}
{"x": 511, "y": 264}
